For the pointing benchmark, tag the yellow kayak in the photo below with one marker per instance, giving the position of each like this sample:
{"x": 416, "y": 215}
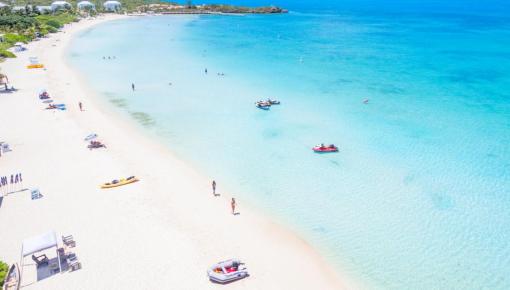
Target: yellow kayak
{"x": 37, "y": 65}
{"x": 122, "y": 181}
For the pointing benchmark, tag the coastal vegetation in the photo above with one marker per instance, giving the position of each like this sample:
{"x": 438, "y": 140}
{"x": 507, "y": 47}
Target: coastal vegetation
{"x": 190, "y": 8}
{"x": 24, "y": 26}
{"x": 4, "y": 268}
{"x": 26, "y": 22}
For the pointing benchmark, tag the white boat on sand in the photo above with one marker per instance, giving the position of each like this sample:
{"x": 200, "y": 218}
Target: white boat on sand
{"x": 227, "y": 271}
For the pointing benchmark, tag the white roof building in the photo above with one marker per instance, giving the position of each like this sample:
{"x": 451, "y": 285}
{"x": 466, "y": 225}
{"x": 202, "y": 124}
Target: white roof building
{"x": 19, "y": 8}
{"x": 44, "y": 9}
{"x": 112, "y": 5}
{"x": 56, "y": 5}
{"x": 85, "y": 5}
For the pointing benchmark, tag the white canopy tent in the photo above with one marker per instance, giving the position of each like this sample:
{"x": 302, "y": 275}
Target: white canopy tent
{"x": 85, "y": 5}
{"x": 112, "y": 5}
{"x": 56, "y": 5}
{"x": 40, "y": 243}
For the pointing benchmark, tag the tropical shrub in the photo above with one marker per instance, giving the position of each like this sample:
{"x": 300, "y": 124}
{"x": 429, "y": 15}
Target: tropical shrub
{"x": 54, "y": 23}
{"x": 6, "y": 53}
{"x": 16, "y": 22}
{"x": 3, "y": 272}
{"x": 12, "y": 38}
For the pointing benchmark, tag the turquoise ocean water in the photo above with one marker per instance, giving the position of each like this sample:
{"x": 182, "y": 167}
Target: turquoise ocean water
{"x": 418, "y": 196}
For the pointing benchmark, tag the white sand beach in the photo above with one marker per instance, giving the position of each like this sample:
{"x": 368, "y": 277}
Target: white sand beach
{"x": 160, "y": 233}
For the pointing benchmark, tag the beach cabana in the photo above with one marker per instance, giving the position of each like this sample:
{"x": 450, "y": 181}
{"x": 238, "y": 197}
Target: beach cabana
{"x": 38, "y": 244}
{"x": 85, "y": 5}
{"x": 60, "y": 5}
{"x": 112, "y": 6}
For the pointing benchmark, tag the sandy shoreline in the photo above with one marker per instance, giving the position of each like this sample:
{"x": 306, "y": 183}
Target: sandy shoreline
{"x": 160, "y": 233}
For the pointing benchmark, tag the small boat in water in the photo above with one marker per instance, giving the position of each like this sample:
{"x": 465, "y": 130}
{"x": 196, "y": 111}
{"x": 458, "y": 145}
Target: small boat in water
{"x": 325, "y": 149}
{"x": 227, "y": 271}
{"x": 122, "y": 181}
{"x": 273, "y": 102}
{"x": 12, "y": 279}
{"x": 263, "y": 105}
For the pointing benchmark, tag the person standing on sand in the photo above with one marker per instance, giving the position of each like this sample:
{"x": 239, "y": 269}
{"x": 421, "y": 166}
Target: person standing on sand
{"x": 81, "y": 106}
{"x": 133, "y": 86}
{"x": 214, "y": 187}
{"x": 233, "y": 205}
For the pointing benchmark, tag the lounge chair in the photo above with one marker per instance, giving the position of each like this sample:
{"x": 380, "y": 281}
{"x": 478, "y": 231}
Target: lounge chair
{"x": 68, "y": 241}
{"x": 95, "y": 145}
{"x": 40, "y": 260}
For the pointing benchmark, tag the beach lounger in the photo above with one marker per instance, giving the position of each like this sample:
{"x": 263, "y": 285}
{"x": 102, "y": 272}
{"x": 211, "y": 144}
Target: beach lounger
{"x": 75, "y": 265}
{"x": 36, "y": 194}
{"x": 68, "y": 241}
{"x": 40, "y": 260}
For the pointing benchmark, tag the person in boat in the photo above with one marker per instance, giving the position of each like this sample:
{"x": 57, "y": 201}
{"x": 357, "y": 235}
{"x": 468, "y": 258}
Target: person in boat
{"x": 332, "y": 146}
{"x": 322, "y": 146}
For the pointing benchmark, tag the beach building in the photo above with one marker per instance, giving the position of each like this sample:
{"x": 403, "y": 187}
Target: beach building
{"x": 85, "y": 5}
{"x": 60, "y": 5}
{"x": 44, "y": 9}
{"x": 112, "y": 6}
{"x": 22, "y": 9}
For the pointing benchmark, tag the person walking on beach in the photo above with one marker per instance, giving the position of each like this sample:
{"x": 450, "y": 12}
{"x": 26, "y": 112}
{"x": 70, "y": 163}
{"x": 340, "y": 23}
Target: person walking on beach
{"x": 233, "y": 205}
{"x": 214, "y": 187}
{"x": 81, "y": 106}
{"x": 133, "y": 86}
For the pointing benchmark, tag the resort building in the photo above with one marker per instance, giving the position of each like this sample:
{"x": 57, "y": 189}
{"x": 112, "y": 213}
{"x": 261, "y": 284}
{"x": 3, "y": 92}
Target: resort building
{"x": 19, "y": 9}
{"x": 44, "y": 9}
{"x": 85, "y": 5}
{"x": 60, "y": 5}
{"x": 112, "y": 6}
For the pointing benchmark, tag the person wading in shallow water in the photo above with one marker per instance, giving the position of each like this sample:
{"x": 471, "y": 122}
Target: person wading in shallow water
{"x": 133, "y": 86}
{"x": 233, "y": 205}
{"x": 214, "y": 187}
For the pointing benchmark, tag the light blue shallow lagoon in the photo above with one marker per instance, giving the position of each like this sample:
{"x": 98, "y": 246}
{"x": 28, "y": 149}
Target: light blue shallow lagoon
{"x": 418, "y": 196}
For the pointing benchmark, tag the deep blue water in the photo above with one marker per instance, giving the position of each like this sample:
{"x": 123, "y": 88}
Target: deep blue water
{"x": 417, "y": 197}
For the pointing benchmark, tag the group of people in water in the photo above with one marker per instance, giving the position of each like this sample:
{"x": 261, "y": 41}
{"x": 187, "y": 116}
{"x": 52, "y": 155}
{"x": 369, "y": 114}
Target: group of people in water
{"x": 232, "y": 201}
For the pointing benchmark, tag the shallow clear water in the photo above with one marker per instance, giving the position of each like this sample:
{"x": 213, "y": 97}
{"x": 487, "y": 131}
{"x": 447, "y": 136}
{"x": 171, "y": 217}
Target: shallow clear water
{"x": 417, "y": 197}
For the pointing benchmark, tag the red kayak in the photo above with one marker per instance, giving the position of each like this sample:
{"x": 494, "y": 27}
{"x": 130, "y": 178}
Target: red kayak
{"x": 325, "y": 149}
